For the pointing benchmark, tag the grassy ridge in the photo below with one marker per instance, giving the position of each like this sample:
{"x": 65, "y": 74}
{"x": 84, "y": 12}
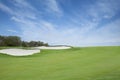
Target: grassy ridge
{"x": 92, "y": 63}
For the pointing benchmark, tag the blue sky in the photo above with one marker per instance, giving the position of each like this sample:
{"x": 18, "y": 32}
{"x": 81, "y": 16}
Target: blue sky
{"x": 64, "y": 22}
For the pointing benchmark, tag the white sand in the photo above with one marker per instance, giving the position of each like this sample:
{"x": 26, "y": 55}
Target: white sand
{"x": 19, "y": 52}
{"x": 58, "y": 47}
{"x": 23, "y": 52}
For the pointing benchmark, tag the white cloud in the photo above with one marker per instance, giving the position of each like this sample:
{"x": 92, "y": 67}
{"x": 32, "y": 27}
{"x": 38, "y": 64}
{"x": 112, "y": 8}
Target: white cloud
{"x": 53, "y": 6}
{"x": 103, "y": 9}
{"x": 13, "y": 31}
{"x": 107, "y": 33}
{"x": 24, "y": 9}
{"x": 80, "y": 30}
{"x": 20, "y": 10}
{"x": 23, "y": 4}
{"x": 5, "y": 8}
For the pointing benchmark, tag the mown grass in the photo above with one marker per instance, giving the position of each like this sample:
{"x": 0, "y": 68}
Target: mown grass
{"x": 91, "y": 63}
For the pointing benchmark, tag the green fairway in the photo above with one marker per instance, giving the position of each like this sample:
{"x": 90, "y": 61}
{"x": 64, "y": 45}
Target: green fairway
{"x": 90, "y": 63}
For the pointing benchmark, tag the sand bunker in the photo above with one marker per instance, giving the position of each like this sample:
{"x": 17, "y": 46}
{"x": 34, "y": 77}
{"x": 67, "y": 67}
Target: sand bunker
{"x": 23, "y": 52}
{"x": 56, "y": 47}
{"x": 19, "y": 52}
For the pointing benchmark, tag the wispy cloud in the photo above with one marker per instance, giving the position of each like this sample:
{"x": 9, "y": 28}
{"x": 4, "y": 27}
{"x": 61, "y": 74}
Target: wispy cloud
{"x": 82, "y": 27}
{"x": 86, "y": 33}
{"x": 6, "y": 8}
{"x": 54, "y": 7}
{"x": 21, "y": 9}
{"x": 13, "y": 31}
{"x": 23, "y": 4}
{"x": 24, "y": 9}
{"x": 103, "y": 9}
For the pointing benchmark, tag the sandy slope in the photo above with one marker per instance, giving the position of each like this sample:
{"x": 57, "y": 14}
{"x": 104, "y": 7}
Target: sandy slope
{"x": 23, "y": 52}
{"x": 61, "y": 47}
{"x": 19, "y": 52}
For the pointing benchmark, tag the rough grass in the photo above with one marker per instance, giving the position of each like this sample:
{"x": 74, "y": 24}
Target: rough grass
{"x": 92, "y": 63}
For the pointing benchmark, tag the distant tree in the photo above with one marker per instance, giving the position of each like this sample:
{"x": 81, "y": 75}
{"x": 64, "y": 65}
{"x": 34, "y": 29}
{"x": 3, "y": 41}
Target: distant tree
{"x": 2, "y": 43}
{"x": 40, "y": 43}
{"x": 16, "y": 41}
{"x": 46, "y": 44}
{"x": 31, "y": 43}
{"x": 13, "y": 41}
{"x": 37, "y": 43}
{"x": 25, "y": 44}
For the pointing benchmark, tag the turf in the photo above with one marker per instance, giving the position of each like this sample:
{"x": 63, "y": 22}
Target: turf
{"x": 91, "y": 63}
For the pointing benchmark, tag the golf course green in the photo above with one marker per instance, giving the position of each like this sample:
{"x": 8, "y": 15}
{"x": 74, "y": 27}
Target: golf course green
{"x": 88, "y": 63}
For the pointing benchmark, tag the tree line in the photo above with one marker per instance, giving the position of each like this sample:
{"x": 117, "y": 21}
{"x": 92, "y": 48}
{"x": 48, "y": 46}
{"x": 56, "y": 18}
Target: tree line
{"x": 16, "y": 41}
